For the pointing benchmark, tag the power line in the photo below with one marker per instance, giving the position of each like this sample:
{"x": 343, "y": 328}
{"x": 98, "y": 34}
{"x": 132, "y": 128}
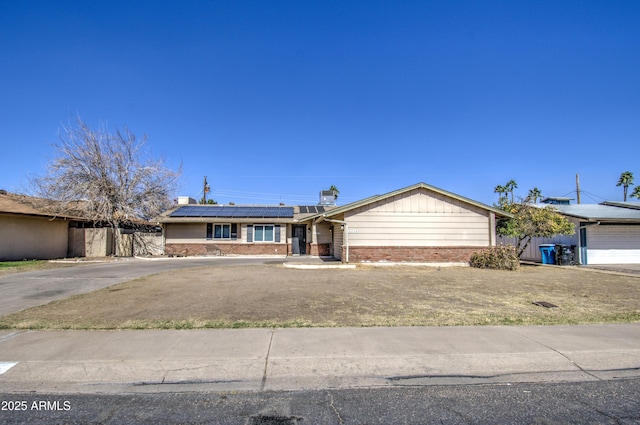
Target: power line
{"x": 273, "y": 197}
{"x": 590, "y": 195}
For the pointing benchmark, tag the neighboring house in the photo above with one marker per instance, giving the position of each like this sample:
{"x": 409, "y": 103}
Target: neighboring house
{"x": 606, "y": 233}
{"x": 28, "y": 233}
{"x": 419, "y": 223}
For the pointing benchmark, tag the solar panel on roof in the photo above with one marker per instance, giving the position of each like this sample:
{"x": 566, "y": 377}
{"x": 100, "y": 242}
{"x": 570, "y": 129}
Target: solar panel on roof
{"x": 232, "y": 211}
{"x": 312, "y": 209}
{"x": 271, "y": 212}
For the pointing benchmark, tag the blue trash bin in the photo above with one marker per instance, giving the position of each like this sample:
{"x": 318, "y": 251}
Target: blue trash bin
{"x": 548, "y": 252}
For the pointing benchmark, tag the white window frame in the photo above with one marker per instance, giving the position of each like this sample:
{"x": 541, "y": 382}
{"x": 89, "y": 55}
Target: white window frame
{"x": 222, "y": 226}
{"x": 263, "y": 226}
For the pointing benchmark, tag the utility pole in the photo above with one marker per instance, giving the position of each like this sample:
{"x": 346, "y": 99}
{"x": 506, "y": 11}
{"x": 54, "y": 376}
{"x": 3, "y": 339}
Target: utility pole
{"x": 205, "y": 190}
{"x": 578, "y": 187}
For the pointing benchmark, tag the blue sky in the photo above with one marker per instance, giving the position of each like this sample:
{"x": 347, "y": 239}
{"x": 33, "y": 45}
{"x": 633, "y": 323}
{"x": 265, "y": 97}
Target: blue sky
{"x": 276, "y": 100}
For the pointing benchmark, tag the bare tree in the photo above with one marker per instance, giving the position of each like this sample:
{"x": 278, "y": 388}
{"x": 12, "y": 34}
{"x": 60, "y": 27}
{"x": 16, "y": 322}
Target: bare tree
{"x": 106, "y": 177}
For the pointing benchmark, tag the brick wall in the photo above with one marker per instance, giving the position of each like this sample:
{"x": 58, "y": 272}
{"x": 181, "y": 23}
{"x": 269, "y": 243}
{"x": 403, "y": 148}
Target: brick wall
{"x": 225, "y": 249}
{"x": 409, "y": 254}
{"x": 320, "y": 249}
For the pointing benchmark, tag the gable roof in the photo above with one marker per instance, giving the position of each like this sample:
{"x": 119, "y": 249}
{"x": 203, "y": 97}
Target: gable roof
{"x": 376, "y": 198}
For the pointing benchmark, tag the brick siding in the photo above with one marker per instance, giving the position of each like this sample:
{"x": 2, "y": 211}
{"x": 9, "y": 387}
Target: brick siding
{"x": 320, "y": 250}
{"x": 409, "y": 254}
{"x": 225, "y": 249}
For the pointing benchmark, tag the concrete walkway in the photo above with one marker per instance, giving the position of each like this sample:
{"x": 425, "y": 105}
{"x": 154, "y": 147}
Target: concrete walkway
{"x": 291, "y": 359}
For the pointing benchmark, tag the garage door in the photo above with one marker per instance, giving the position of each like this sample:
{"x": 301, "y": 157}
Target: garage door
{"x": 616, "y": 244}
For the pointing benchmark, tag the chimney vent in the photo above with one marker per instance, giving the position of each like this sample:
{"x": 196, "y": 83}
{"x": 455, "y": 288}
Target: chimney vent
{"x": 327, "y": 197}
{"x": 185, "y": 200}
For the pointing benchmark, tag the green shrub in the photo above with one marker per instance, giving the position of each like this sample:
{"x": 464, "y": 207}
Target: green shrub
{"x": 497, "y": 257}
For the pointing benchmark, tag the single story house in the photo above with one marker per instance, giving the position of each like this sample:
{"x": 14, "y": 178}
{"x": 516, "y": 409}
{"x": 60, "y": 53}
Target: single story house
{"x": 419, "y": 223}
{"x": 29, "y": 233}
{"x": 606, "y": 233}
{"x": 237, "y": 230}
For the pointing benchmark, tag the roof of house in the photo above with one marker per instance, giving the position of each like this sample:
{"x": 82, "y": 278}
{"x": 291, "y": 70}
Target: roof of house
{"x": 12, "y": 204}
{"x": 376, "y": 198}
{"x": 635, "y": 205}
{"x": 25, "y": 205}
{"x": 205, "y": 213}
{"x": 599, "y": 212}
{"x": 244, "y": 213}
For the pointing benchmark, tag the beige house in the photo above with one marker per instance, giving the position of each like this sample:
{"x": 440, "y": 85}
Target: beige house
{"x": 27, "y": 233}
{"x": 419, "y": 223}
{"x": 237, "y": 230}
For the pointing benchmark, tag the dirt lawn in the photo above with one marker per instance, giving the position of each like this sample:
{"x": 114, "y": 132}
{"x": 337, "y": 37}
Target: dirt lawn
{"x": 273, "y": 295}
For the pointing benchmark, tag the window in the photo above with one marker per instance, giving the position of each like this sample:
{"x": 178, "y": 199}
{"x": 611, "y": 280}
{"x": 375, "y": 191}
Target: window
{"x": 263, "y": 233}
{"x": 222, "y": 231}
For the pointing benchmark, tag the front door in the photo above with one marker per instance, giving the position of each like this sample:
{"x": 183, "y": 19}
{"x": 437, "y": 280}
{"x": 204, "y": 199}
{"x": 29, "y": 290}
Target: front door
{"x": 300, "y": 234}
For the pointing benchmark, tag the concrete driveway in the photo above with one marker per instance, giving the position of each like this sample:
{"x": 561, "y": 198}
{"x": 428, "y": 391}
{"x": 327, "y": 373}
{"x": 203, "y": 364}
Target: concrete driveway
{"x": 19, "y": 291}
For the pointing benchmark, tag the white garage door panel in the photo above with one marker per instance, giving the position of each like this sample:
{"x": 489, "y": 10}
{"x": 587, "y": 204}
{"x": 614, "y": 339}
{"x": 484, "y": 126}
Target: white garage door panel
{"x": 613, "y": 245}
{"x": 613, "y": 256}
{"x": 614, "y": 237}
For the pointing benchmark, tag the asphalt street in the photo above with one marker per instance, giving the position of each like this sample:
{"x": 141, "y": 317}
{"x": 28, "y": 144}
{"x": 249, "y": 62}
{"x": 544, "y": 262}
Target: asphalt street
{"x": 597, "y": 402}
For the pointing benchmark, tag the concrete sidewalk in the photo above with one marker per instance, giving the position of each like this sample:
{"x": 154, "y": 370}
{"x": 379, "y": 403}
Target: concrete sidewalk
{"x": 291, "y": 359}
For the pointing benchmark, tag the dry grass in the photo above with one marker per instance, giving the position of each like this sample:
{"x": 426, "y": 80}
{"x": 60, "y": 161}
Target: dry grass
{"x": 275, "y": 296}
{"x": 8, "y": 267}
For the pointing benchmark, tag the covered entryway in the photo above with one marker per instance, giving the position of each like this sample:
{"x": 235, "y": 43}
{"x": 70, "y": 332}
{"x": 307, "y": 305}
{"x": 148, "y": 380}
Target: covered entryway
{"x": 299, "y": 239}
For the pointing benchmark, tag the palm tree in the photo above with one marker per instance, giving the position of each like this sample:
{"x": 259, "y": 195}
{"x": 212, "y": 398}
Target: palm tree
{"x": 335, "y": 191}
{"x": 510, "y": 186}
{"x": 534, "y": 194}
{"x": 500, "y": 190}
{"x": 636, "y": 193}
{"x": 625, "y": 180}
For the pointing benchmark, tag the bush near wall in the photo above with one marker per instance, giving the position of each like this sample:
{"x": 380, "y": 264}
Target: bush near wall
{"x": 497, "y": 257}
